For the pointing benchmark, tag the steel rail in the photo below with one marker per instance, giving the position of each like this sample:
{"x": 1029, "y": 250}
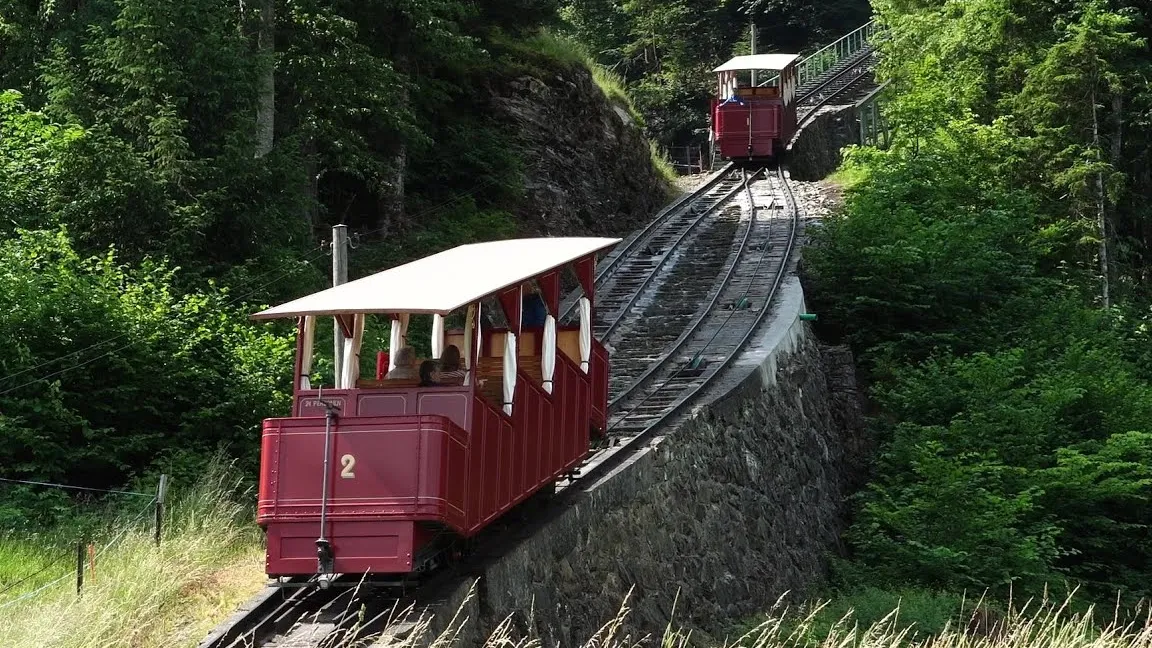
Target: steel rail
{"x": 703, "y": 312}
{"x": 655, "y": 270}
{"x": 615, "y": 258}
{"x": 851, "y": 68}
{"x": 626, "y": 447}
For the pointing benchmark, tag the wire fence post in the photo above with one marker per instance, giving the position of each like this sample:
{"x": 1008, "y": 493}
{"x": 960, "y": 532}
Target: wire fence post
{"x": 79, "y": 566}
{"x": 161, "y": 490}
{"x": 92, "y": 561}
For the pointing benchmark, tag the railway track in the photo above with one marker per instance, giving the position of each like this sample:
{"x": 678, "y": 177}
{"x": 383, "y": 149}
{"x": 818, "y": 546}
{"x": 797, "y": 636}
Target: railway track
{"x": 633, "y": 256}
{"x": 850, "y": 76}
{"x": 736, "y": 303}
{"x": 679, "y": 300}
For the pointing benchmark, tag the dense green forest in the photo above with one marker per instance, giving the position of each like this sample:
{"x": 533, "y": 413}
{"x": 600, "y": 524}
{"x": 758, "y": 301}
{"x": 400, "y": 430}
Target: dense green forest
{"x": 989, "y": 270}
{"x": 666, "y": 49}
{"x": 168, "y": 166}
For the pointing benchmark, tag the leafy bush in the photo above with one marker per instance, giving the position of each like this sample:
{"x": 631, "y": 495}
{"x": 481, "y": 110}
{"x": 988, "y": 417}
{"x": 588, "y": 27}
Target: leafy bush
{"x": 109, "y": 371}
{"x": 927, "y": 247}
{"x": 1014, "y": 418}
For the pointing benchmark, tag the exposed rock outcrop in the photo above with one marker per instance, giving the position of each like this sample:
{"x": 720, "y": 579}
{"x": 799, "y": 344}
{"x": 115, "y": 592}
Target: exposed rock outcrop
{"x": 587, "y": 164}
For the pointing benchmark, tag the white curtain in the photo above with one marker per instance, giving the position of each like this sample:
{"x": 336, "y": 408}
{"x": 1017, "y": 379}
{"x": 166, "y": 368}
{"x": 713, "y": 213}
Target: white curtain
{"x": 396, "y": 341}
{"x": 352, "y": 354}
{"x": 509, "y": 371}
{"x": 469, "y": 321}
{"x": 308, "y": 351}
{"x": 548, "y": 354}
{"x": 585, "y": 332}
{"x": 437, "y": 335}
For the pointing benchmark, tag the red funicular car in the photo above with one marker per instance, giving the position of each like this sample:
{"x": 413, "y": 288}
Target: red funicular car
{"x": 751, "y": 120}
{"x": 382, "y": 475}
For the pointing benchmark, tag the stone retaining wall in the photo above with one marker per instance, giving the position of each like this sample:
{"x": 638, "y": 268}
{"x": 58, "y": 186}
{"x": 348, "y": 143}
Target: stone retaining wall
{"x": 739, "y": 504}
{"x": 816, "y": 151}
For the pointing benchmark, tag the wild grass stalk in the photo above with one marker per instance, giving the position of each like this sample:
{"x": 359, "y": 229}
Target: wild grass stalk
{"x": 1043, "y": 625}
{"x": 142, "y": 595}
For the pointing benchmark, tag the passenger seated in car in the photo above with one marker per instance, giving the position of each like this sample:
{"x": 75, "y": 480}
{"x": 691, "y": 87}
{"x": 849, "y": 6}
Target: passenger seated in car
{"x": 451, "y": 370}
{"x": 533, "y": 311}
{"x": 405, "y": 358}
{"x": 427, "y": 369}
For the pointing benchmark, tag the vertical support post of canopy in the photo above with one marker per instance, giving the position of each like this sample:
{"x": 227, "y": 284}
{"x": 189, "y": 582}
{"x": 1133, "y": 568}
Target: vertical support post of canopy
{"x": 306, "y": 351}
{"x": 512, "y": 301}
{"x": 351, "y": 369}
{"x": 586, "y": 274}
{"x": 479, "y": 350}
{"x": 469, "y": 361}
{"x": 397, "y": 338}
{"x": 752, "y": 26}
{"x": 437, "y": 335}
{"x": 550, "y": 289}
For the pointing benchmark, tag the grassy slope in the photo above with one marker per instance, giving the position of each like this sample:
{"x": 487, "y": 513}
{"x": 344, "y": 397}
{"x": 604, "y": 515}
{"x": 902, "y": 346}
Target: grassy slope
{"x": 211, "y": 560}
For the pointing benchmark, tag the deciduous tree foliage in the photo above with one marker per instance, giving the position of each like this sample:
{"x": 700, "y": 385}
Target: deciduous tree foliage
{"x": 165, "y": 167}
{"x": 666, "y": 50}
{"x": 171, "y": 378}
{"x": 985, "y": 270}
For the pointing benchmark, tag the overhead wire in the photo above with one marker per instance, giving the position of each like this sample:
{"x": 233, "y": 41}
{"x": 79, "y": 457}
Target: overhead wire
{"x": 83, "y": 488}
{"x": 126, "y": 333}
{"x": 127, "y": 527}
{"x": 297, "y": 262}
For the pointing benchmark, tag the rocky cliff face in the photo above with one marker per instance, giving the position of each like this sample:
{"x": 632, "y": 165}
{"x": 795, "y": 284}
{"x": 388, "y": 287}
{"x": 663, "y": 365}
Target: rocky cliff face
{"x": 587, "y": 163}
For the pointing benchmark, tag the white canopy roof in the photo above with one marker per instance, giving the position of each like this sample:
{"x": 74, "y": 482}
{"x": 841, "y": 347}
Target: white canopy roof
{"x": 445, "y": 281}
{"x": 774, "y": 62}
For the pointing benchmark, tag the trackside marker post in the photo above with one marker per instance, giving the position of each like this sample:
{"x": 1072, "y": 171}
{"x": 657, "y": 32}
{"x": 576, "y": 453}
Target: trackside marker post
{"x": 79, "y": 566}
{"x": 161, "y": 491}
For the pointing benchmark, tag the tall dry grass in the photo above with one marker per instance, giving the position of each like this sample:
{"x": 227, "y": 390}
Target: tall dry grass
{"x": 1044, "y": 625}
{"x": 210, "y": 560}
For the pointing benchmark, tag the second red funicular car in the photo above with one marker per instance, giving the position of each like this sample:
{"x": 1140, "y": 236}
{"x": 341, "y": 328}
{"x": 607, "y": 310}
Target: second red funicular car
{"x": 380, "y": 476}
{"x": 751, "y": 121}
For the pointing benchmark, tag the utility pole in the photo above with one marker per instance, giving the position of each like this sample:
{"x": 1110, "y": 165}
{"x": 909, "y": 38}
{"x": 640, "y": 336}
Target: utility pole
{"x": 339, "y": 276}
{"x": 752, "y": 27}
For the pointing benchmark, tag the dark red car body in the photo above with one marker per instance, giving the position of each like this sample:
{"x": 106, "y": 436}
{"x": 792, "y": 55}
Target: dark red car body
{"x": 411, "y": 467}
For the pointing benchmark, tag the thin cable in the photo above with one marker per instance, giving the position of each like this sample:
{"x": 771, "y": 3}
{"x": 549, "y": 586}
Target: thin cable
{"x": 33, "y": 575}
{"x": 128, "y": 527}
{"x": 117, "y": 337}
{"x": 305, "y": 261}
{"x": 34, "y": 592}
{"x": 83, "y": 488}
